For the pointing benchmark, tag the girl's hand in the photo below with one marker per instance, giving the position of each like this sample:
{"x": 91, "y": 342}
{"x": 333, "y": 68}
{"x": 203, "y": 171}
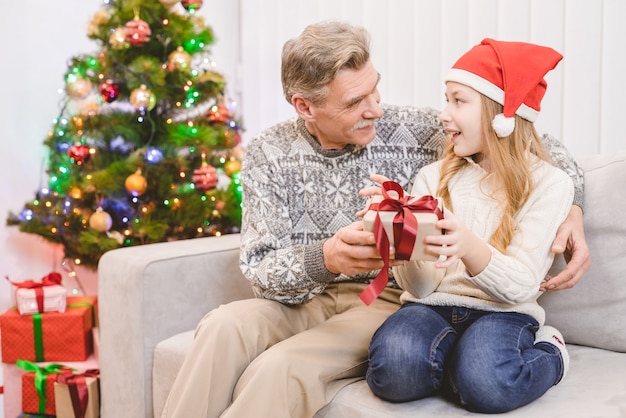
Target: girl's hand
{"x": 458, "y": 243}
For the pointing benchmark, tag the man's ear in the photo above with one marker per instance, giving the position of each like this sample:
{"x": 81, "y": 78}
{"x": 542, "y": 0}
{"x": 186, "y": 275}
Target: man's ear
{"x": 303, "y": 107}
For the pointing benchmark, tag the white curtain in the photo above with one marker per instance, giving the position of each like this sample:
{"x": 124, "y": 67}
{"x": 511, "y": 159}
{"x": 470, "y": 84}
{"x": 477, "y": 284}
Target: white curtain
{"x": 416, "y": 41}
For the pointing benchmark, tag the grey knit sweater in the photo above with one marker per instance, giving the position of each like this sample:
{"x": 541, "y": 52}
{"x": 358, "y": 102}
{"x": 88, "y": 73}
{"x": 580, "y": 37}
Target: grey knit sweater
{"x": 296, "y": 195}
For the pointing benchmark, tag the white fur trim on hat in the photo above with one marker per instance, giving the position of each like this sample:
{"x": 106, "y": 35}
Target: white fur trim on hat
{"x": 502, "y": 125}
{"x": 490, "y": 90}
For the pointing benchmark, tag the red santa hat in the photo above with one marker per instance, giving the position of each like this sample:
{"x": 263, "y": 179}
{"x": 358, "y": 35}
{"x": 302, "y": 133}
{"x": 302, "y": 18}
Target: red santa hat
{"x": 511, "y": 73}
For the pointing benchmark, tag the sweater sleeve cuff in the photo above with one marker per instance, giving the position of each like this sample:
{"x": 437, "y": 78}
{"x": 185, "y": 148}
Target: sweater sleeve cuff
{"x": 314, "y": 264}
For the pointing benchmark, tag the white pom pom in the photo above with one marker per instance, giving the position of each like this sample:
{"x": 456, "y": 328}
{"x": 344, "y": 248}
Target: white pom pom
{"x": 502, "y": 125}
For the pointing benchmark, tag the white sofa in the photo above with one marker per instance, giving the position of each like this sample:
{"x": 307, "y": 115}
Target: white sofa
{"x": 151, "y": 298}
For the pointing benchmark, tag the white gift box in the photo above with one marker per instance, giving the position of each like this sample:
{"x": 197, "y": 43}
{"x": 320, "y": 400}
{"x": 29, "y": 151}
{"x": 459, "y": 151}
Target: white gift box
{"x": 426, "y": 226}
{"x": 54, "y": 299}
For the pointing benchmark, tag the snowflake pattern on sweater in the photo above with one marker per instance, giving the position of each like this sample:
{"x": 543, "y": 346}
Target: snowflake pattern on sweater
{"x": 296, "y": 195}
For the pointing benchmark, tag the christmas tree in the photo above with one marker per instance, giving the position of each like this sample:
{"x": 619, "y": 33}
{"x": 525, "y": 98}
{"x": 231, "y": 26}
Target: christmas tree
{"x": 146, "y": 146}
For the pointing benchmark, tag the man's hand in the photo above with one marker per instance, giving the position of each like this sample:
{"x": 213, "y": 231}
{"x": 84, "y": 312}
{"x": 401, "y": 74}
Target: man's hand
{"x": 352, "y": 250}
{"x": 570, "y": 241}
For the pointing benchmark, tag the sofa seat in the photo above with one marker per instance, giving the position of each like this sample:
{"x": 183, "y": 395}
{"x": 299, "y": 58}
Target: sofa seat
{"x": 592, "y": 388}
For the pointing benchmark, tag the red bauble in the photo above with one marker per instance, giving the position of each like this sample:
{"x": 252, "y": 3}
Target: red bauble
{"x": 137, "y": 32}
{"x": 205, "y": 177}
{"x": 219, "y": 113}
{"x": 191, "y": 5}
{"x": 109, "y": 91}
{"x": 79, "y": 153}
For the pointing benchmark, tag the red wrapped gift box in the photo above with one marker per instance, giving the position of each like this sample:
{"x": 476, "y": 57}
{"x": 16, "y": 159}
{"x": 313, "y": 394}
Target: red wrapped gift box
{"x": 50, "y": 336}
{"x": 38, "y": 387}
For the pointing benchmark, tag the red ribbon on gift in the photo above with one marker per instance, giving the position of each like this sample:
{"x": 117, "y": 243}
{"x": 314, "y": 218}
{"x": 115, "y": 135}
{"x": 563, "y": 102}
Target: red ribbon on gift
{"x": 404, "y": 230}
{"x": 77, "y": 385}
{"x": 51, "y": 279}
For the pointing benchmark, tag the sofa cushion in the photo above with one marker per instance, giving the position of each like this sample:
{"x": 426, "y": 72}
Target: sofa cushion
{"x": 169, "y": 355}
{"x": 593, "y": 387}
{"x": 590, "y": 313}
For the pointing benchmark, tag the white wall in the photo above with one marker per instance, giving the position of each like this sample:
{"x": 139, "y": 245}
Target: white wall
{"x": 414, "y": 43}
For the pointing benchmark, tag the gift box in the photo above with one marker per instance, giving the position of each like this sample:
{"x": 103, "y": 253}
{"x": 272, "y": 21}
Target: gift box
{"x": 395, "y": 210}
{"x": 53, "y": 299}
{"x": 401, "y": 220}
{"x": 46, "y": 295}
{"x": 77, "y": 395}
{"x": 12, "y": 376}
{"x": 50, "y": 336}
{"x": 38, "y": 387}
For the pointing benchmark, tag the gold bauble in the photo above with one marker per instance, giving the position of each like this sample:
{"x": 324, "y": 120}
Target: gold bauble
{"x": 78, "y": 88}
{"x": 136, "y": 184}
{"x": 179, "y": 60}
{"x": 100, "y": 220}
{"x": 169, "y": 3}
{"x": 117, "y": 40}
{"x": 232, "y": 167}
{"x": 143, "y": 98}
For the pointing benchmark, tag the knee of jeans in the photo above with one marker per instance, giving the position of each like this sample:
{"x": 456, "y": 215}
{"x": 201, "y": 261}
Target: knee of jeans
{"x": 399, "y": 377}
{"x": 485, "y": 392}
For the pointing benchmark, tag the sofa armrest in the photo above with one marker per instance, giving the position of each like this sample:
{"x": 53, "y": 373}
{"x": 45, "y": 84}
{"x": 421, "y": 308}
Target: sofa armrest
{"x": 149, "y": 293}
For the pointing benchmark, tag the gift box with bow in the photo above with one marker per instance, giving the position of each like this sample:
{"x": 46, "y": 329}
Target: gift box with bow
{"x": 404, "y": 221}
{"x": 38, "y": 386}
{"x": 77, "y": 395}
{"x": 46, "y": 295}
{"x": 50, "y": 336}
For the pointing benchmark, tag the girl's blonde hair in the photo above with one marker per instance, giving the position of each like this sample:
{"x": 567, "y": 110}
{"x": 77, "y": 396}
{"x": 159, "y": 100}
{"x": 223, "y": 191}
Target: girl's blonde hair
{"x": 510, "y": 166}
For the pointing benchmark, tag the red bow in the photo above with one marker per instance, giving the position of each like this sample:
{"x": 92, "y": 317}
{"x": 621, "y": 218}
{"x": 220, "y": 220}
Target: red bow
{"x": 404, "y": 231}
{"x": 77, "y": 385}
{"x": 52, "y": 279}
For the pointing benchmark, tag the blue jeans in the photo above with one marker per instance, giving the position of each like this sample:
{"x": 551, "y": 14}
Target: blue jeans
{"x": 487, "y": 361}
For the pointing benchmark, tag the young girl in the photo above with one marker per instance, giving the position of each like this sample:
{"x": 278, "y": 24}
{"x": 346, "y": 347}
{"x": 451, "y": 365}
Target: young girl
{"x": 480, "y": 336}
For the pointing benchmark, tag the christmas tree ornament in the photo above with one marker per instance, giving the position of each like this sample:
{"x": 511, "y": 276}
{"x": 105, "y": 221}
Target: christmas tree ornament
{"x": 153, "y": 155}
{"x": 76, "y": 193}
{"x": 219, "y": 113}
{"x": 77, "y": 121}
{"x": 231, "y": 138}
{"x": 232, "y": 167}
{"x": 191, "y": 5}
{"x": 178, "y": 60}
{"x": 205, "y": 177}
{"x": 137, "y": 32}
{"x": 142, "y": 99}
{"x": 168, "y": 4}
{"x": 100, "y": 220}
{"x": 101, "y": 17}
{"x": 78, "y": 87}
{"x": 79, "y": 153}
{"x": 136, "y": 184}
{"x": 109, "y": 91}
{"x": 117, "y": 40}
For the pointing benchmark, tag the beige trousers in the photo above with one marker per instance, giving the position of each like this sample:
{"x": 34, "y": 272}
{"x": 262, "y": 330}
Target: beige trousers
{"x": 259, "y": 358}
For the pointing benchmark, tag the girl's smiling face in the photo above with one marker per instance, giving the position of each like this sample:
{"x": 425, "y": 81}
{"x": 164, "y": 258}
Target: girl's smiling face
{"x": 461, "y": 118}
